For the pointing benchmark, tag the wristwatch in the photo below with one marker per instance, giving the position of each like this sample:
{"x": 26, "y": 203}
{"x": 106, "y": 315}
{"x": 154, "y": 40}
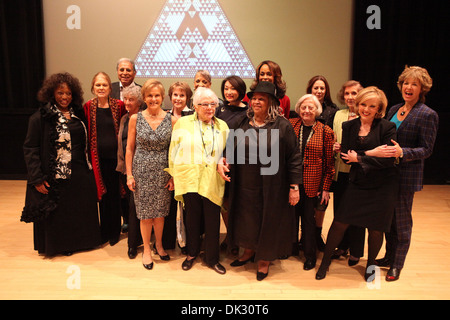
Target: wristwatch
{"x": 294, "y": 187}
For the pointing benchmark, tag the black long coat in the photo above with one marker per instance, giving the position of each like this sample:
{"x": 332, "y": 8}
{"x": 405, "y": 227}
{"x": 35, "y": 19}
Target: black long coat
{"x": 274, "y": 236}
{"x": 66, "y": 219}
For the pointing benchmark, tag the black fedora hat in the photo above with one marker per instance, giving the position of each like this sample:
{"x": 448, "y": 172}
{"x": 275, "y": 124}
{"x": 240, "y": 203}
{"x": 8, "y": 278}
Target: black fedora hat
{"x": 267, "y": 88}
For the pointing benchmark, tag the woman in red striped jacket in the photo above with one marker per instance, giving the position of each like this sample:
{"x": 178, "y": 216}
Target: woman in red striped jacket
{"x": 316, "y": 146}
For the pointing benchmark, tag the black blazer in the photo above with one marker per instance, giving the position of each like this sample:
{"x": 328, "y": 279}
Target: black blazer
{"x": 369, "y": 172}
{"x": 115, "y": 89}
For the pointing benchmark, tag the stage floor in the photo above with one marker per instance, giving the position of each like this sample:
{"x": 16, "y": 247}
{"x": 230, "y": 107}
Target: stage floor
{"x": 108, "y": 273}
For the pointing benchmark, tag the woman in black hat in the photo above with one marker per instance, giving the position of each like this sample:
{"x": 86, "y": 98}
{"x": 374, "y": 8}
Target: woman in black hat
{"x": 263, "y": 166}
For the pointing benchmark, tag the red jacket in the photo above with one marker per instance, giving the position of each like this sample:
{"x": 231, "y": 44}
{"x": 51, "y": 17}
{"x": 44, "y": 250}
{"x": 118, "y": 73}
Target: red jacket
{"x": 318, "y": 164}
{"x": 90, "y": 110}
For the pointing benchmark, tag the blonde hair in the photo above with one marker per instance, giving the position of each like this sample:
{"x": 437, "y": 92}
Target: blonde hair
{"x": 150, "y": 84}
{"x": 369, "y": 93}
{"x": 417, "y": 73}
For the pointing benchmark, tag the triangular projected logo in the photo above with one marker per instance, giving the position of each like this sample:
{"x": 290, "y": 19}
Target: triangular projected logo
{"x": 190, "y": 35}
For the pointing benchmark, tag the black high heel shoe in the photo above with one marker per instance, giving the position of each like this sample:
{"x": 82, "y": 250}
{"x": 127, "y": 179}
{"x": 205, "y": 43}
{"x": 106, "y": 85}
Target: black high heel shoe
{"x": 339, "y": 253}
{"x": 164, "y": 258}
{"x": 322, "y": 272}
{"x": 148, "y": 266}
{"x": 238, "y": 263}
{"x": 262, "y": 265}
{"x": 352, "y": 261}
{"x": 261, "y": 275}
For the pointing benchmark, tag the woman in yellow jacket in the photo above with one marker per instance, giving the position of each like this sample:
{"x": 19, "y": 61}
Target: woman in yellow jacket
{"x": 197, "y": 143}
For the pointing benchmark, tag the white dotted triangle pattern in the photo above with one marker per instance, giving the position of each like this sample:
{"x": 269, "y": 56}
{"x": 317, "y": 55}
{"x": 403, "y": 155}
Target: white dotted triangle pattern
{"x": 190, "y": 35}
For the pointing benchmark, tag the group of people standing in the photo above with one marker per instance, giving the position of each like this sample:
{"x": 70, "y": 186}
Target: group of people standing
{"x": 246, "y": 158}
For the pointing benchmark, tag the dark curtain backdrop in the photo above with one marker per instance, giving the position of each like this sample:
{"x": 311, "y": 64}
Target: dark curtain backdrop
{"x": 21, "y": 53}
{"x": 22, "y": 63}
{"x": 414, "y": 33}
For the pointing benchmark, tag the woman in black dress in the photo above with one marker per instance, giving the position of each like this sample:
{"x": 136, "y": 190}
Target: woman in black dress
{"x": 103, "y": 115}
{"x": 61, "y": 193}
{"x": 263, "y": 192}
{"x": 232, "y": 111}
{"x": 370, "y": 196}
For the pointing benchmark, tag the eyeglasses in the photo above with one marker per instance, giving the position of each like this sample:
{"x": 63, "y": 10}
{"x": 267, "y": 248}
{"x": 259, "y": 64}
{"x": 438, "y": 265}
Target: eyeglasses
{"x": 206, "y": 105}
{"x": 311, "y": 108}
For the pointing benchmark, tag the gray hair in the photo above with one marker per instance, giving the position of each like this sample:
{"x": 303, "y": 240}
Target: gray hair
{"x": 201, "y": 93}
{"x": 205, "y": 74}
{"x": 315, "y": 100}
{"x": 134, "y": 91}
{"x": 127, "y": 60}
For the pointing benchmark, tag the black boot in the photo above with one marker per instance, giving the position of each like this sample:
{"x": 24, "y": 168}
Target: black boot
{"x": 319, "y": 240}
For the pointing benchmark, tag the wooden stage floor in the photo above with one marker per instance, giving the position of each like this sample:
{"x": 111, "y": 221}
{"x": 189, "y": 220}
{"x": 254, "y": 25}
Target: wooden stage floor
{"x": 107, "y": 273}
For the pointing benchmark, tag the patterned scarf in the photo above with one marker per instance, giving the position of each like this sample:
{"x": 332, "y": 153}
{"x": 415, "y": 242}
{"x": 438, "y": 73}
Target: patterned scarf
{"x": 63, "y": 146}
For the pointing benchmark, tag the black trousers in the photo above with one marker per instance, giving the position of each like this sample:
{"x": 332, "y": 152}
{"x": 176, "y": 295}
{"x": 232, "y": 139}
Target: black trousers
{"x": 201, "y": 212}
{"x": 305, "y": 210}
{"x": 134, "y": 225}
{"x": 169, "y": 238}
{"x": 129, "y": 216}
{"x": 109, "y": 205}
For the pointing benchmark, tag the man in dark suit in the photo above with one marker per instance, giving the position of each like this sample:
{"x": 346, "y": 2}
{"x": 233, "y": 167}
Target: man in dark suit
{"x": 126, "y": 72}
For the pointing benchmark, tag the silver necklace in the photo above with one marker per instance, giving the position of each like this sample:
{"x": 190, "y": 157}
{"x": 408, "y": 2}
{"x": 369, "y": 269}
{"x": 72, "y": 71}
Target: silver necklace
{"x": 257, "y": 125}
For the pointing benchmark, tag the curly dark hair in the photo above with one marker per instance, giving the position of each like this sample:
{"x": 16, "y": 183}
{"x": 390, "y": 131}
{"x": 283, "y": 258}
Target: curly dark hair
{"x": 47, "y": 92}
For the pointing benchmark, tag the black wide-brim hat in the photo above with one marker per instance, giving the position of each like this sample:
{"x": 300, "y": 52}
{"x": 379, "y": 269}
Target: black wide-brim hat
{"x": 267, "y": 88}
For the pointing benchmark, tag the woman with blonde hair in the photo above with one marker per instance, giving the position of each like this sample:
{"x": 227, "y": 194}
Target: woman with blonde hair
{"x": 149, "y": 134}
{"x": 353, "y": 241}
{"x": 370, "y": 196}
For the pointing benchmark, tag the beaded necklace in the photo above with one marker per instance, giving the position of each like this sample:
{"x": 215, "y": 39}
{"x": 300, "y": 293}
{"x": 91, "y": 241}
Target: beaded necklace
{"x": 211, "y": 154}
{"x": 301, "y": 137}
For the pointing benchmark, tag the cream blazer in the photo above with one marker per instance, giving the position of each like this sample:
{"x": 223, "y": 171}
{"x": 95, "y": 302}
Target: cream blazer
{"x": 340, "y": 117}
